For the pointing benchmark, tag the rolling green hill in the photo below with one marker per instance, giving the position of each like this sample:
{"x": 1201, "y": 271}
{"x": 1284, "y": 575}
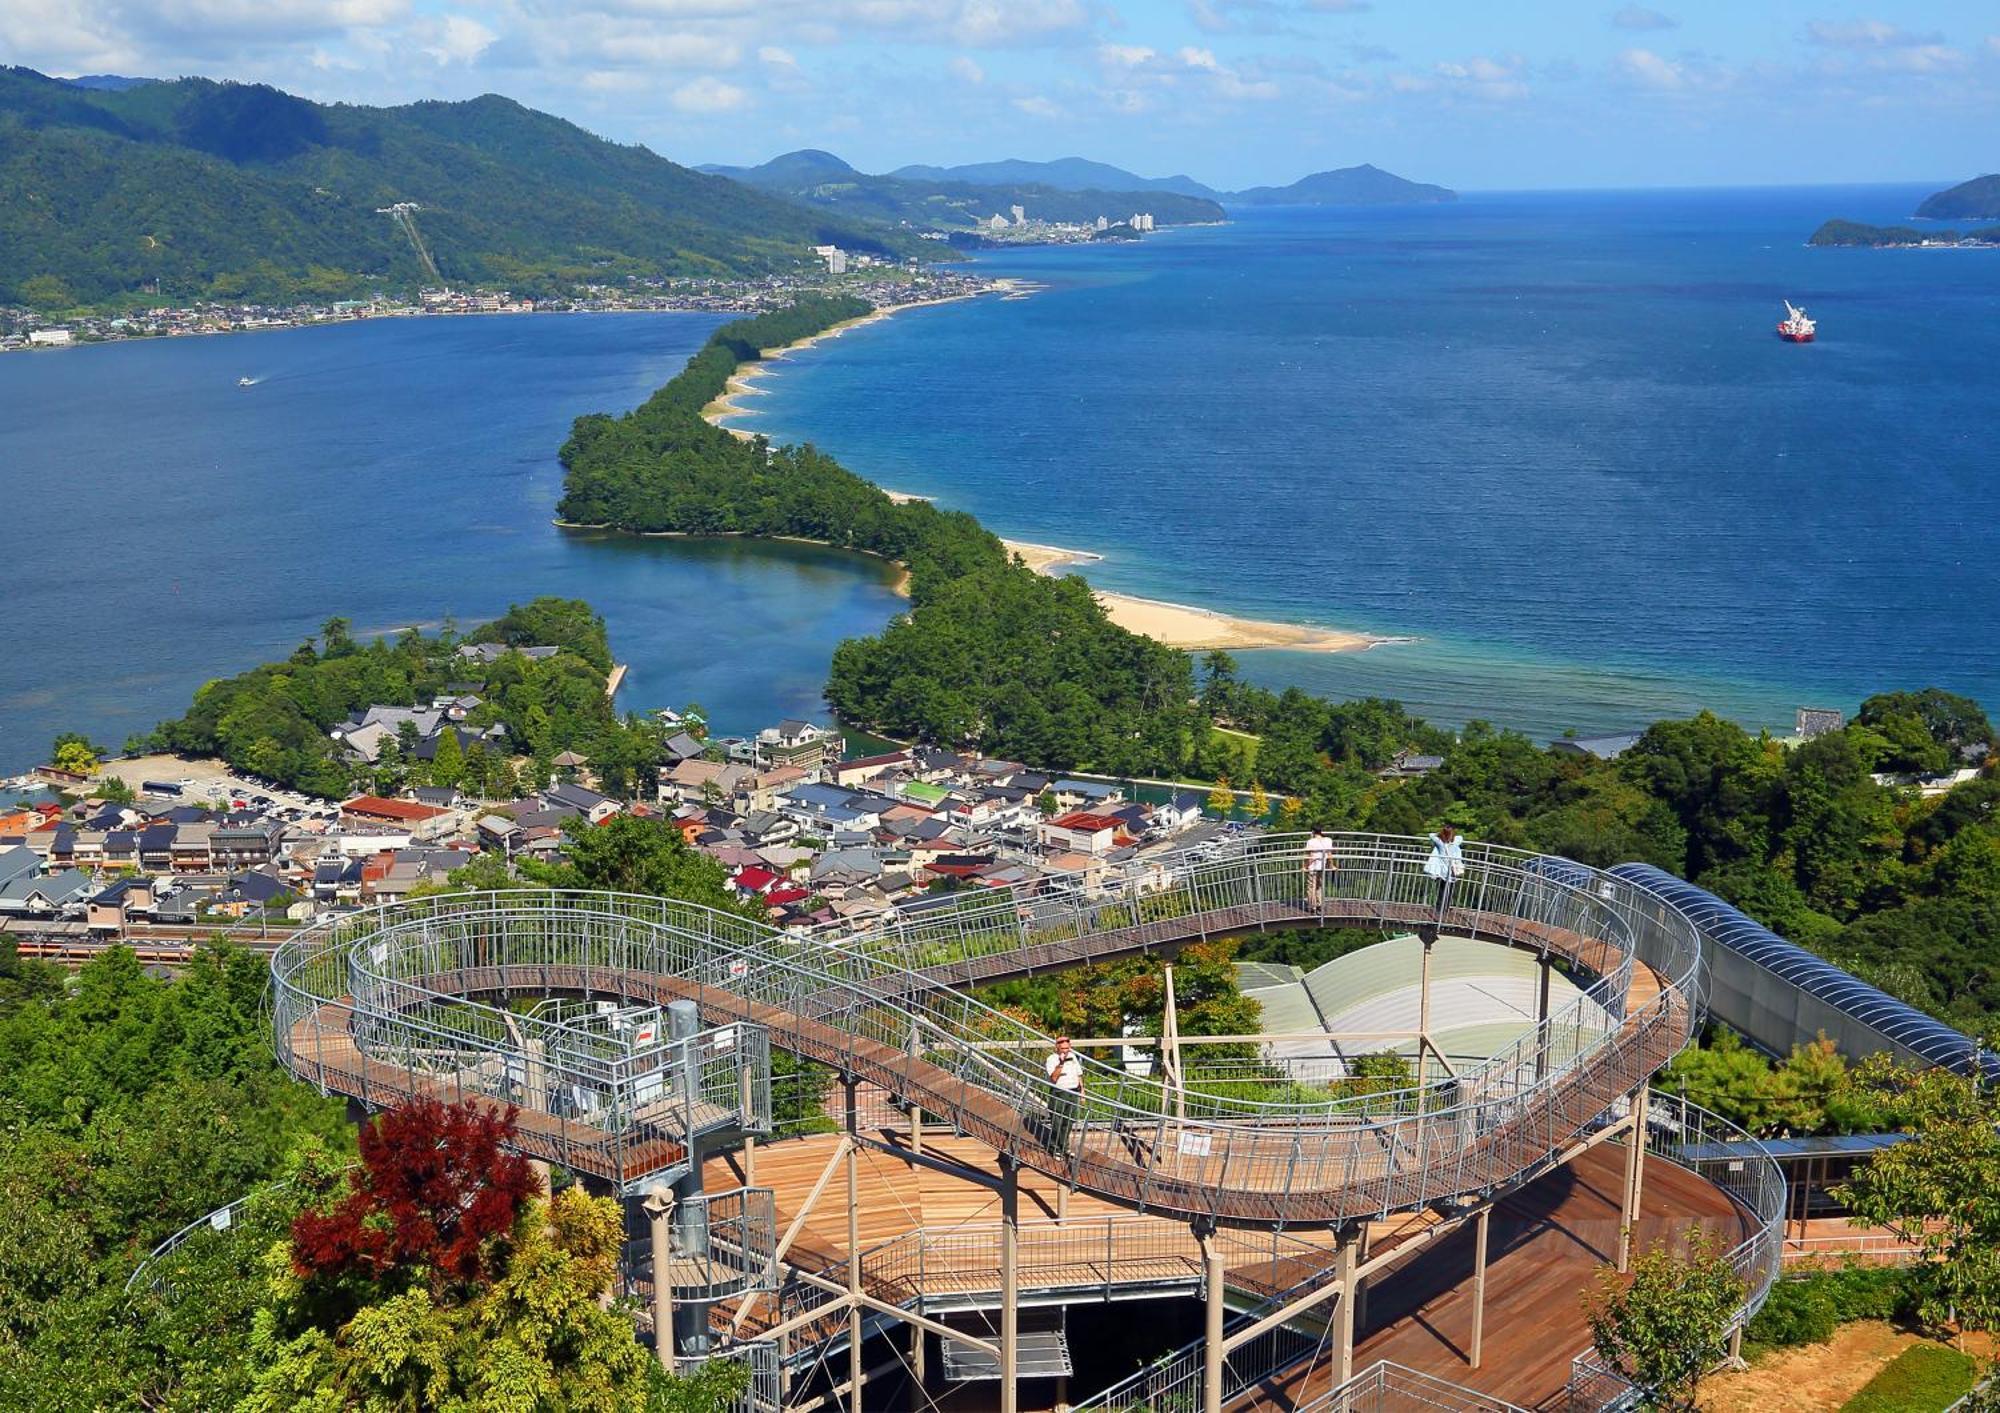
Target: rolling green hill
{"x": 221, "y": 190}
{"x": 821, "y": 179}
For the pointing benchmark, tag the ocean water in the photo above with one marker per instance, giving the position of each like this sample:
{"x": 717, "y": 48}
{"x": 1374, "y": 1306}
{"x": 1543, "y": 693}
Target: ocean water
{"x": 1552, "y": 437}
{"x": 167, "y": 527}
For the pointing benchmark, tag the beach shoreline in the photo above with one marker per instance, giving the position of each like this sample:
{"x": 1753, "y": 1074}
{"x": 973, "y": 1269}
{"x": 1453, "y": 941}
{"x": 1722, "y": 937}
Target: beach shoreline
{"x": 1177, "y": 625}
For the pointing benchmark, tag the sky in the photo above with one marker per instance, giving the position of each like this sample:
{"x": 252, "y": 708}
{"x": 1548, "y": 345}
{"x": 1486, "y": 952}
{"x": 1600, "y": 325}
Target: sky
{"x": 1476, "y": 94}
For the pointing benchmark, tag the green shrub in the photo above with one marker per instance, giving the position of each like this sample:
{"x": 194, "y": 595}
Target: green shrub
{"x": 1808, "y": 1309}
{"x": 1925, "y": 1378}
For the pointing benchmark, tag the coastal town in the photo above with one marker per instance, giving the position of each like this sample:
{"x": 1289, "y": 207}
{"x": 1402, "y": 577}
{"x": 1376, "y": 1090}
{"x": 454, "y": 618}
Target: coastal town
{"x": 885, "y": 284}
{"x": 824, "y": 836}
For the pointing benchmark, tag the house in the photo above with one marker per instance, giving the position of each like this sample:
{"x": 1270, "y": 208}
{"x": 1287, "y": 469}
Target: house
{"x": 799, "y": 743}
{"x": 1086, "y": 794}
{"x": 761, "y": 791}
{"x": 1081, "y": 832}
{"x": 1597, "y": 747}
{"x": 18, "y": 861}
{"x": 681, "y": 746}
{"x": 125, "y": 899}
{"x": 245, "y": 842}
{"x": 921, "y": 792}
{"x": 849, "y": 868}
{"x": 489, "y": 653}
{"x": 156, "y": 847}
{"x": 498, "y": 833}
{"x": 337, "y": 880}
{"x": 692, "y": 781}
{"x": 193, "y": 846}
{"x": 861, "y": 770}
{"x": 32, "y": 896}
{"x": 251, "y": 892}
{"x": 754, "y": 880}
{"x": 377, "y": 809}
{"x": 1410, "y": 765}
{"x": 1183, "y": 811}
{"x": 592, "y": 806}
{"x": 828, "y": 807}
{"x": 438, "y": 797}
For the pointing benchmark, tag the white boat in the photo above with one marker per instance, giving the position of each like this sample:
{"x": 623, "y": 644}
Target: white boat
{"x": 246, "y": 382}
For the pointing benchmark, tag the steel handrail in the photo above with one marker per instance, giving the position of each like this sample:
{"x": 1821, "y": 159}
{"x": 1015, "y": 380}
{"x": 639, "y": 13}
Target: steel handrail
{"x": 847, "y": 1005}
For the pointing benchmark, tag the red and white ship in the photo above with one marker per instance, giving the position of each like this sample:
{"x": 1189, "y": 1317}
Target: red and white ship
{"x": 1795, "y": 327}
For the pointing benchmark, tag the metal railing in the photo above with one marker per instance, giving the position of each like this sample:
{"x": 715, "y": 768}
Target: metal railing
{"x": 724, "y": 1245}
{"x": 889, "y": 1007}
{"x": 1385, "y": 1387}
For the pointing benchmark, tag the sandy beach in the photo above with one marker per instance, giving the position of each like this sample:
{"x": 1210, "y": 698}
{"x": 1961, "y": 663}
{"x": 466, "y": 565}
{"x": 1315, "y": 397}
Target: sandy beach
{"x": 1184, "y": 626}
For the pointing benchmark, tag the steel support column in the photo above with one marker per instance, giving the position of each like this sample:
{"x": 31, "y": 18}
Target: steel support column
{"x": 1350, "y": 1246}
{"x": 1479, "y": 1285}
{"x": 1635, "y": 1177}
{"x": 1212, "y": 1269}
{"x": 1010, "y": 1288}
{"x": 660, "y": 1213}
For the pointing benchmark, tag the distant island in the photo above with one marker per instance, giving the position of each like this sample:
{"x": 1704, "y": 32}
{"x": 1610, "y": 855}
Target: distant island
{"x": 1976, "y": 200}
{"x": 947, "y": 203}
{"x": 1364, "y": 185}
{"x": 1855, "y": 233}
{"x": 128, "y": 190}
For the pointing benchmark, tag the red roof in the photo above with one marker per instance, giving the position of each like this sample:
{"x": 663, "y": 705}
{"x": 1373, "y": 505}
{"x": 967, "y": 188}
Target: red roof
{"x": 402, "y": 811}
{"x": 1085, "y": 822}
{"x": 755, "y": 879}
{"x": 778, "y": 897}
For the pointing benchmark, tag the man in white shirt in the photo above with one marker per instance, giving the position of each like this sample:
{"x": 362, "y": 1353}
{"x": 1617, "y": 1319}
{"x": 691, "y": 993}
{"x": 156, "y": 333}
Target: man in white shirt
{"x": 1065, "y": 1070}
{"x": 1319, "y": 863}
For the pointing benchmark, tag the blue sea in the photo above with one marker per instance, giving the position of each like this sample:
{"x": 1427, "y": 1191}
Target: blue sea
{"x": 169, "y": 527}
{"x": 1549, "y": 438}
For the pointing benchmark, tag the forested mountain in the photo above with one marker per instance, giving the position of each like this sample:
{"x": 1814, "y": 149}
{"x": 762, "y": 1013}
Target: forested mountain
{"x": 1347, "y": 186}
{"x": 822, "y": 179}
{"x": 1976, "y": 200}
{"x": 1064, "y": 174}
{"x": 238, "y": 190}
{"x": 1067, "y": 189}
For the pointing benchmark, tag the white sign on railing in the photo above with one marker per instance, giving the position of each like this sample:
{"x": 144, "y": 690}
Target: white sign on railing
{"x": 1195, "y": 1145}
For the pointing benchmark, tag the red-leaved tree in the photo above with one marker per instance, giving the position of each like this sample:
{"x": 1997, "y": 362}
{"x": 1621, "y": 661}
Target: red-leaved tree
{"x": 434, "y": 1188}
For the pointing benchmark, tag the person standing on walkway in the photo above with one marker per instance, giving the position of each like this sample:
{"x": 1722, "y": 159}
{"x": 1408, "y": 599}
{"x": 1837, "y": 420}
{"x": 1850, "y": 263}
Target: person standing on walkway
{"x": 1446, "y": 864}
{"x": 1065, "y": 1069}
{"x": 1319, "y": 863}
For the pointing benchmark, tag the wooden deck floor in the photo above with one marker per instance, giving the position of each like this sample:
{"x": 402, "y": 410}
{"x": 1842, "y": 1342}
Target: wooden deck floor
{"x": 1545, "y": 1246}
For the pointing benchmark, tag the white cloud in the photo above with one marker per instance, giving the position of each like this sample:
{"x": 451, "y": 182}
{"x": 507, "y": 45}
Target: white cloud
{"x": 1648, "y": 70}
{"x": 1867, "y": 34}
{"x": 777, "y": 58}
{"x": 1639, "y": 17}
{"x": 708, "y": 94}
{"x": 1126, "y": 56}
{"x": 459, "y": 39}
{"x": 1199, "y": 59}
{"x": 1036, "y": 106}
{"x": 1920, "y": 59}
{"x": 966, "y": 71}
{"x": 1495, "y": 80}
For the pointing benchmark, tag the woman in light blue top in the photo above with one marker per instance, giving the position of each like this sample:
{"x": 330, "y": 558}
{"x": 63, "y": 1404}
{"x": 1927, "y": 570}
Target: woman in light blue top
{"x": 1446, "y": 864}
